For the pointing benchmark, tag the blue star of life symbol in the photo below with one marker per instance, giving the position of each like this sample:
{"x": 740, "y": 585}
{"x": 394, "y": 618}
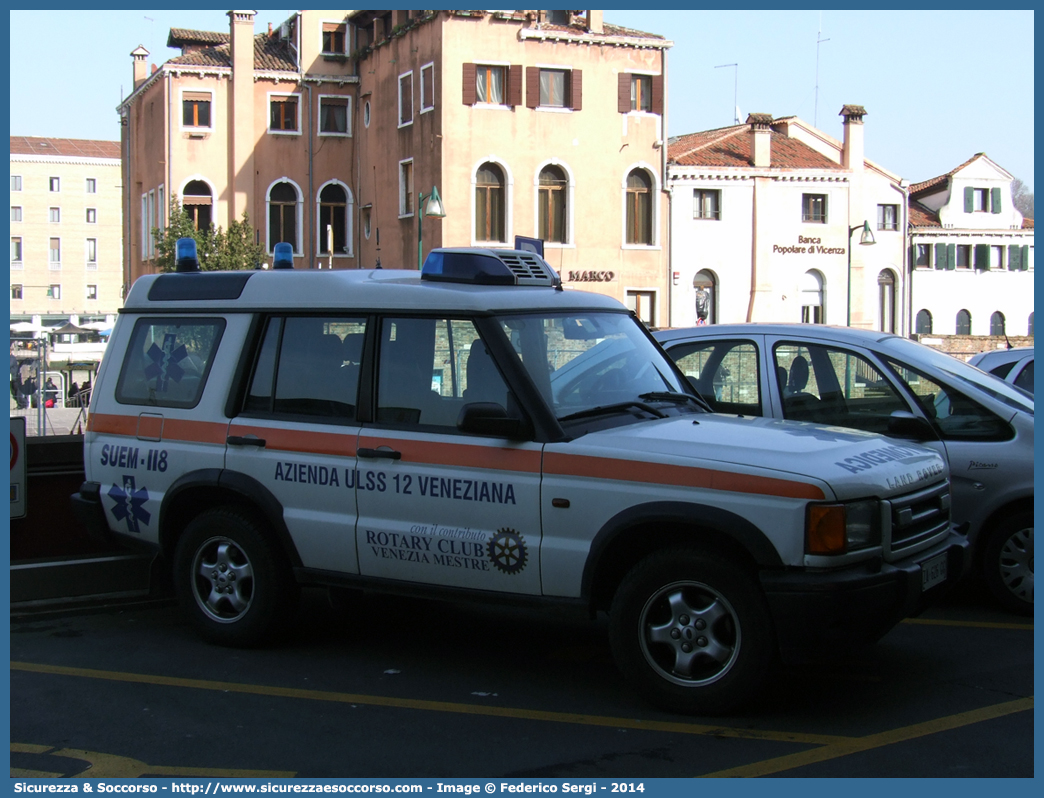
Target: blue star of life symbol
{"x": 165, "y": 360}
{"x": 129, "y": 504}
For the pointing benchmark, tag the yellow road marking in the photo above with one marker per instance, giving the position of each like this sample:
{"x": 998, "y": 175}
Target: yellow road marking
{"x": 438, "y": 706}
{"x": 857, "y": 744}
{"x": 969, "y": 624}
{"x": 110, "y": 766}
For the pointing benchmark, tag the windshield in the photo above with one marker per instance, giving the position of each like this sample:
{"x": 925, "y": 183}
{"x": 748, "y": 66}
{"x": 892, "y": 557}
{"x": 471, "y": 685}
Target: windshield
{"x": 960, "y": 372}
{"x": 581, "y": 361}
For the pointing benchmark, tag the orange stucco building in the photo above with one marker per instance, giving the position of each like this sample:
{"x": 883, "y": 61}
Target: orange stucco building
{"x": 330, "y": 130}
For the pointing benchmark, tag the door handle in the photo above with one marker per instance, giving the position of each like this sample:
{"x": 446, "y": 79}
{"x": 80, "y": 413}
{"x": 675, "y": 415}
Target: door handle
{"x": 245, "y": 440}
{"x": 384, "y": 453}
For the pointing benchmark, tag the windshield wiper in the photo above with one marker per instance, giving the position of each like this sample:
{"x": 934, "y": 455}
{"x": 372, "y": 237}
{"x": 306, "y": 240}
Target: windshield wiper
{"x": 597, "y": 411}
{"x": 677, "y": 397}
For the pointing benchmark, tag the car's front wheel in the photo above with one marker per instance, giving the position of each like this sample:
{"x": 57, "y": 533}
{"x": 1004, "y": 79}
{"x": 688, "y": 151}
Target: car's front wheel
{"x": 1008, "y": 563}
{"x": 692, "y": 632}
{"x": 231, "y": 579}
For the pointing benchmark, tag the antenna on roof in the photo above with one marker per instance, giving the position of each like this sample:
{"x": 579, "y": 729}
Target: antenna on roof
{"x": 819, "y": 41}
{"x": 735, "y": 90}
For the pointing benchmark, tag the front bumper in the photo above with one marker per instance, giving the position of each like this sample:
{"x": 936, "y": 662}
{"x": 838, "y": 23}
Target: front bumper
{"x": 825, "y": 612}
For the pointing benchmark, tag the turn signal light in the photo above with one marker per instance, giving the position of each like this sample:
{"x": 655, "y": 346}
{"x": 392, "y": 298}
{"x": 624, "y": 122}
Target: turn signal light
{"x": 826, "y": 529}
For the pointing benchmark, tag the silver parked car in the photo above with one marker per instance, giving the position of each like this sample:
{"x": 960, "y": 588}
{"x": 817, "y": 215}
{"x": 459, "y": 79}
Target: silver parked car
{"x": 888, "y": 384}
{"x": 1013, "y": 365}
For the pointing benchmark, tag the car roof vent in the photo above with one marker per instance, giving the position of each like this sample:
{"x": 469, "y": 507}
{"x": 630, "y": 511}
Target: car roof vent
{"x": 488, "y": 267}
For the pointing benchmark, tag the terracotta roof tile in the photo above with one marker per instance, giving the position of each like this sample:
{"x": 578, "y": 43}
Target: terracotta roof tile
{"x": 179, "y": 37}
{"x": 1027, "y": 224}
{"x": 929, "y": 186}
{"x": 82, "y": 148}
{"x": 922, "y": 216}
{"x": 731, "y": 146}
{"x": 269, "y": 54}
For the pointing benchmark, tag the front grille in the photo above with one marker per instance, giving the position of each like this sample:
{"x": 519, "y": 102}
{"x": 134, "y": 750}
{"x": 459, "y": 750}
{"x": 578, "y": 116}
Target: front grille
{"x": 917, "y": 518}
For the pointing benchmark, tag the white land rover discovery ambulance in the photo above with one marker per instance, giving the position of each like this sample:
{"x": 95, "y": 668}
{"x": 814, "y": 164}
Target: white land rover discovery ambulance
{"x": 474, "y": 430}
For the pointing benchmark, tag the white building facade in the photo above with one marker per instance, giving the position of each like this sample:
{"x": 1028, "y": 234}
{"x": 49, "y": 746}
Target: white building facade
{"x": 971, "y": 253}
{"x": 763, "y": 217}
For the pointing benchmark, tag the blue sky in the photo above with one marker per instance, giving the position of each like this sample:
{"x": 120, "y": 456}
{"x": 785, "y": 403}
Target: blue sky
{"x": 938, "y": 86}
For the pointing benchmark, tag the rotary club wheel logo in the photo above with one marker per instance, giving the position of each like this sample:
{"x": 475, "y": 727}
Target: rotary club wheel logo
{"x": 507, "y": 551}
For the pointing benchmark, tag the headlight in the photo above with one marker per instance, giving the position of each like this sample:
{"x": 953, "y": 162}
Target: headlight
{"x": 838, "y": 528}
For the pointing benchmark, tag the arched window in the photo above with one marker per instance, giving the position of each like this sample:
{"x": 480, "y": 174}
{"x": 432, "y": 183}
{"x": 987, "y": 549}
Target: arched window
{"x": 886, "y": 301}
{"x": 333, "y": 220}
{"x": 489, "y": 203}
{"x": 924, "y": 323}
{"x": 997, "y": 323}
{"x": 197, "y": 202}
{"x": 813, "y": 310}
{"x": 282, "y": 216}
{"x": 963, "y": 322}
{"x": 705, "y": 285}
{"x": 552, "y": 200}
{"x": 639, "y": 208}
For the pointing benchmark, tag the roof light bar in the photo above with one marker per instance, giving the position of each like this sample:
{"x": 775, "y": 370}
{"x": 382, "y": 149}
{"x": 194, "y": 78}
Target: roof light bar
{"x": 487, "y": 267}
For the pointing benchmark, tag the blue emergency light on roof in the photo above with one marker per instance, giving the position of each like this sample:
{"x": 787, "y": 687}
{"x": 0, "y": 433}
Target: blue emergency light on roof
{"x": 488, "y": 267}
{"x": 283, "y": 256}
{"x": 185, "y": 259}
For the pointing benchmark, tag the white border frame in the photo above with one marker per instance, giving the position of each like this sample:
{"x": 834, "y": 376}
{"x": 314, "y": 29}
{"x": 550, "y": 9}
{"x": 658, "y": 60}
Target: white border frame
{"x": 654, "y": 207}
{"x": 181, "y": 111}
{"x": 268, "y": 113}
{"x": 398, "y": 101}
{"x": 299, "y": 215}
{"x": 509, "y": 199}
{"x": 319, "y": 116}
{"x": 404, "y": 189}
{"x": 349, "y": 212}
{"x": 570, "y": 242}
{"x": 426, "y": 109}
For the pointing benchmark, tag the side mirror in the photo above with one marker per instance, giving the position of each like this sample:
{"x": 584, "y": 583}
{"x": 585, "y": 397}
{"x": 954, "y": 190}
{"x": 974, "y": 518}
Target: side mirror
{"x": 905, "y": 424}
{"x": 489, "y": 418}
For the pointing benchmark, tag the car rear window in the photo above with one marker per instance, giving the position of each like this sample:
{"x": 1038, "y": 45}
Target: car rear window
{"x": 168, "y": 361}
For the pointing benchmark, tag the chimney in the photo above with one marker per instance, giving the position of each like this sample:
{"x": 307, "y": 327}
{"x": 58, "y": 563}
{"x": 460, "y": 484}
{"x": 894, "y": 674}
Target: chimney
{"x": 139, "y": 55}
{"x": 269, "y": 30}
{"x": 852, "y": 156}
{"x": 761, "y": 139}
{"x": 241, "y": 133}
{"x": 594, "y": 22}
{"x": 153, "y": 69}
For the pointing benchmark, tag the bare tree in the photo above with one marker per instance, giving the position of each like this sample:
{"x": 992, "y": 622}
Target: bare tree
{"x": 1022, "y": 197}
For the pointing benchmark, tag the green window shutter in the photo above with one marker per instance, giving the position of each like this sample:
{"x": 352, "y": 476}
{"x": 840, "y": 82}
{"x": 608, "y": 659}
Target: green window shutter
{"x": 951, "y": 256}
{"x": 982, "y": 257}
{"x": 940, "y": 256}
{"x": 1014, "y": 261}
{"x": 995, "y": 200}
{"x": 1024, "y": 259}
{"x": 969, "y": 200}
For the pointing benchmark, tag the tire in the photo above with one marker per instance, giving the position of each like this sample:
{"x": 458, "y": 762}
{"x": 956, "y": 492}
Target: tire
{"x": 692, "y": 632}
{"x": 1007, "y": 561}
{"x": 233, "y": 583}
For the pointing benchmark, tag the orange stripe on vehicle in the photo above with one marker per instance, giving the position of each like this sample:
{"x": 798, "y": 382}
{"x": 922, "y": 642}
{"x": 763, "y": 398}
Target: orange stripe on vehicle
{"x": 494, "y": 458}
{"x": 303, "y": 442}
{"x": 685, "y": 476}
{"x": 174, "y": 429}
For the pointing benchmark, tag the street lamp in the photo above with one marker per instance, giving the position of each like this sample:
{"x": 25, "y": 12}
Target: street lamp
{"x": 434, "y": 209}
{"x": 866, "y": 240}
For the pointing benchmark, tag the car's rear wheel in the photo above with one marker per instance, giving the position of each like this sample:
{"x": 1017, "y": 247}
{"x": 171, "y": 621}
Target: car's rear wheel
{"x": 692, "y": 632}
{"x": 231, "y": 580}
{"x": 1008, "y": 563}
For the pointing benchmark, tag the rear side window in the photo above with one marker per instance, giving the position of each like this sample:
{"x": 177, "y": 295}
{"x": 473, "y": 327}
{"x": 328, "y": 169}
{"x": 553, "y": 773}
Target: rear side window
{"x": 724, "y": 372}
{"x": 168, "y": 361}
{"x": 308, "y": 366}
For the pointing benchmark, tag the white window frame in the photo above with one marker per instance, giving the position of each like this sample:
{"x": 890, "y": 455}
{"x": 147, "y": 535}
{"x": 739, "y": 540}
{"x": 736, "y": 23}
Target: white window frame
{"x": 88, "y": 216}
{"x": 54, "y": 291}
{"x": 19, "y": 209}
{"x": 509, "y": 202}
{"x": 347, "y": 34}
{"x": 21, "y": 292}
{"x": 556, "y": 109}
{"x": 427, "y": 104}
{"x": 91, "y": 264}
{"x": 404, "y": 190}
{"x": 570, "y": 242}
{"x": 348, "y": 116}
{"x": 54, "y": 214}
{"x": 654, "y": 201}
{"x": 151, "y": 223}
{"x": 181, "y": 111}
{"x": 349, "y": 221}
{"x": 90, "y": 185}
{"x": 161, "y": 215}
{"x": 643, "y": 73}
{"x": 628, "y": 290}
{"x": 16, "y": 182}
{"x": 54, "y": 265}
{"x": 403, "y": 124}
{"x": 268, "y": 108}
{"x": 298, "y": 215}
{"x": 144, "y": 227}
{"x": 52, "y": 182}
{"x": 506, "y": 66}
{"x": 88, "y": 292}
{"x": 18, "y": 265}
{"x": 366, "y": 114}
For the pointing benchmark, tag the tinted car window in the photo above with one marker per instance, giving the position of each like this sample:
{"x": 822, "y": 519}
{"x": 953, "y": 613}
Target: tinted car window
{"x": 1025, "y": 379}
{"x": 724, "y": 372}
{"x": 167, "y": 361}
